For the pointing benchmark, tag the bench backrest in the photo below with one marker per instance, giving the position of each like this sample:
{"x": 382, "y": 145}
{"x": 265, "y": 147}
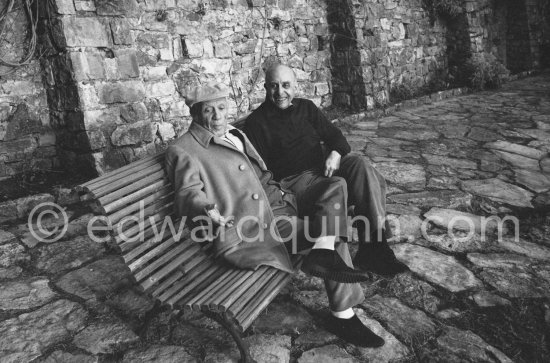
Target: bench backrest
{"x": 137, "y": 200}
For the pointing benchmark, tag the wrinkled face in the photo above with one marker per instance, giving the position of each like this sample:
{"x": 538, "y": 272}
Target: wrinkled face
{"x": 213, "y": 116}
{"x": 280, "y": 87}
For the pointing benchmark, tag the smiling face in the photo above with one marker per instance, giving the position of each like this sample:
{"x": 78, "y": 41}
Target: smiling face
{"x": 280, "y": 86}
{"x": 213, "y": 116}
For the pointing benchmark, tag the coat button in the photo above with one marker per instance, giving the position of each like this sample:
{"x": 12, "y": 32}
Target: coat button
{"x": 255, "y": 196}
{"x": 241, "y": 167}
{"x": 264, "y": 226}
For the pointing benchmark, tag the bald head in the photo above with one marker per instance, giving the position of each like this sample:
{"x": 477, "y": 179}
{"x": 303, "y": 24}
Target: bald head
{"x": 280, "y": 85}
{"x": 277, "y": 69}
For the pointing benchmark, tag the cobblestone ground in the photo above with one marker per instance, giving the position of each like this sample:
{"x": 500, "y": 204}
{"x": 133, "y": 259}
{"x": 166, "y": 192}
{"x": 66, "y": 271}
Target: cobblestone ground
{"x": 476, "y": 297}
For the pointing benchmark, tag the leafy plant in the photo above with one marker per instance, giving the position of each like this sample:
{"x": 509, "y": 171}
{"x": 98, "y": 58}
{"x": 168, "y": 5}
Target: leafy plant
{"x": 484, "y": 72}
{"x": 443, "y": 8}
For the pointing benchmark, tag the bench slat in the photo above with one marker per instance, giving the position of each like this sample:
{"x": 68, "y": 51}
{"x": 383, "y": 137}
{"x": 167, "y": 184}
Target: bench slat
{"x": 149, "y": 241}
{"x": 217, "y": 285}
{"x": 123, "y": 171}
{"x": 148, "y": 230}
{"x": 129, "y": 211}
{"x": 151, "y": 254}
{"x": 172, "y": 265}
{"x": 200, "y": 284}
{"x": 160, "y": 261}
{"x": 260, "y": 301}
{"x": 247, "y": 294}
{"x": 185, "y": 269}
{"x": 133, "y": 192}
{"x": 185, "y": 284}
{"x": 232, "y": 289}
{"x": 119, "y": 181}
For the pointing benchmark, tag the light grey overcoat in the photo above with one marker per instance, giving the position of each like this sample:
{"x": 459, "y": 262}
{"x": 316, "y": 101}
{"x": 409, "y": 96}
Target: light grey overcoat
{"x": 206, "y": 170}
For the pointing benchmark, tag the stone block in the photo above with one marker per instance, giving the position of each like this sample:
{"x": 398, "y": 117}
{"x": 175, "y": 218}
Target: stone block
{"x": 247, "y": 47}
{"x": 105, "y": 338}
{"x": 275, "y": 13}
{"x": 24, "y": 145}
{"x": 26, "y": 337}
{"x": 154, "y": 73}
{"x": 322, "y": 89}
{"x": 65, "y": 196}
{"x": 84, "y": 5}
{"x": 85, "y": 32}
{"x": 194, "y": 48}
{"x": 166, "y": 54}
{"x": 155, "y": 40}
{"x": 120, "y": 29}
{"x": 166, "y": 131}
{"x": 123, "y": 91}
{"x": 87, "y": 65}
{"x": 47, "y": 139}
{"x": 21, "y": 123}
{"x": 116, "y": 7}
{"x": 96, "y": 139}
{"x": 211, "y": 66}
{"x": 19, "y": 88}
{"x": 133, "y": 112}
{"x": 95, "y": 119}
{"x": 208, "y": 48}
{"x": 132, "y": 134}
{"x": 88, "y": 96}
{"x": 174, "y": 110}
{"x": 111, "y": 69}
{"x": 222, "y": 50}
{"x": 127, "y": 63}
{"x": 310, "y": 63}
{"x": 160, "y": 89}
{"x": 8, "y": 211}
{"x": 65, "y": 7}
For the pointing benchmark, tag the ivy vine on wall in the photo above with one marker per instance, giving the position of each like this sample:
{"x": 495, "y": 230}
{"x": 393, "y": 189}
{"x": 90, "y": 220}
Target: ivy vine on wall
{"x": 443, "y": 8}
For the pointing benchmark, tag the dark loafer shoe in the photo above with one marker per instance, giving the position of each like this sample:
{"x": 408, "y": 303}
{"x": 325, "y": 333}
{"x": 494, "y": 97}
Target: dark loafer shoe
{"x": 354, "y": 332}
{"x": 379, "y": 258}
{"x": 328, "y": 264}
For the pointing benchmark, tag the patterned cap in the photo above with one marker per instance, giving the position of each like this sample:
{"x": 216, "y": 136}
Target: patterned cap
{"x": 207, "y": 92}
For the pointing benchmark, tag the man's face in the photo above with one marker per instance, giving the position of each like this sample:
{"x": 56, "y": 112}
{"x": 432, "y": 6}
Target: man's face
{"x": 280, "y": 87}
{"x": 213, "y": 116}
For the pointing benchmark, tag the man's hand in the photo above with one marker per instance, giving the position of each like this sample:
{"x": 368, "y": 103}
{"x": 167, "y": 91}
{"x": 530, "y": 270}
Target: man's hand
{"x": 218, "y": 219}
{"x": 332, "y": 163}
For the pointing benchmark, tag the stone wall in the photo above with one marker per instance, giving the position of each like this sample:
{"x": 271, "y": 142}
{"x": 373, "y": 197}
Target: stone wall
{"x": 26, "y": 139}
{"x": 386, "y": 43}
{"x": 130, "y": 62}
{"x": 112, "y": 73}
{"x": 538, "y": 19}
{"x": 487, "y": 26}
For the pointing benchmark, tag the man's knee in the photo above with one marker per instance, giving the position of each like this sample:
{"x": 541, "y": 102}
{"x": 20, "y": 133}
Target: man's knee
{"x": 359, "y": 167}
{"x": 337, "y": 185}
{"x": 358, "y": 162}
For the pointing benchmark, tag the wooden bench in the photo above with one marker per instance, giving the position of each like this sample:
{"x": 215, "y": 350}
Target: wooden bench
{"x": 178, "y": 272}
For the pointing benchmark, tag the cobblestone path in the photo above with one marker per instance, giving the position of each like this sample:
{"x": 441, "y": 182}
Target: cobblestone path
{"x": 471, "y": 295}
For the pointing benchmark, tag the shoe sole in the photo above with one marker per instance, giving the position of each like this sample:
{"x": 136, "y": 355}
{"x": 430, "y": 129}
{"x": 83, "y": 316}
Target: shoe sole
{"x": 381, "y": 273}
{"x": 351, "y": 340}
{"x": 343, "y": 277}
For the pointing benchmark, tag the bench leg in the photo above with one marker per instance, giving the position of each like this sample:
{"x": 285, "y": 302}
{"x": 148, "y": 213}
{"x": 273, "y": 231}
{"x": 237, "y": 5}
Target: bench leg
{"x": 231, "y": 327}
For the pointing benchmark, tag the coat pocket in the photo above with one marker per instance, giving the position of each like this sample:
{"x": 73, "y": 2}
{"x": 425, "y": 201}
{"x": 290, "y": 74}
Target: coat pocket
{"x": 226, "y": 240}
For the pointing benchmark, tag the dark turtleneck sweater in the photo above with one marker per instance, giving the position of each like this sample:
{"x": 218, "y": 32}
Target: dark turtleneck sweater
{"x": 289, "y": 140}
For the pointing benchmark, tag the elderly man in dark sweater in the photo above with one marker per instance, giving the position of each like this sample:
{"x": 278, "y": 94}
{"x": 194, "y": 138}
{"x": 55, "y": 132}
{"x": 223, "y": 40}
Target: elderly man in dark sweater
{"x": 287, "y": 132}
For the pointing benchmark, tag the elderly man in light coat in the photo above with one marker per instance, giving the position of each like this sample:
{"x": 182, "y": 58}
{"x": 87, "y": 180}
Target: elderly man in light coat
{"x": 223, "y": 188}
